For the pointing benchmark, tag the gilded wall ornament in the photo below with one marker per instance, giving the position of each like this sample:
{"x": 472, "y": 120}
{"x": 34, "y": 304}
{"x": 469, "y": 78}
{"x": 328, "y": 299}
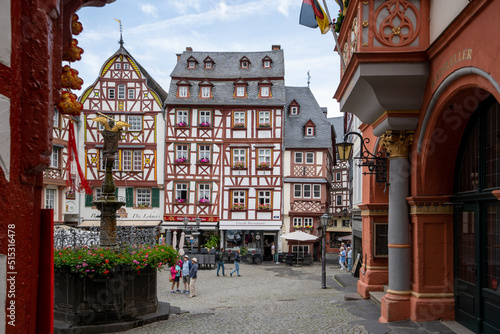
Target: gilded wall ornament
{"x": 399, "y": 23}
{"x": 397, "y": 143}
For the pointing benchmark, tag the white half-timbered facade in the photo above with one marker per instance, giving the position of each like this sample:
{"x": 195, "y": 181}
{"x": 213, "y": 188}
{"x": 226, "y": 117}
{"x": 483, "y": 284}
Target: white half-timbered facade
{"x": 125, "y": 91}
{"x": 309, "y": 143}
{"x": 224, "y": 121}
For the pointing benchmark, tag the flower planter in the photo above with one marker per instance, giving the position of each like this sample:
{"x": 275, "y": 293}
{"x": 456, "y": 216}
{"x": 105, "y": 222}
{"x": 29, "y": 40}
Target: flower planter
{"x": 81, "y": 301}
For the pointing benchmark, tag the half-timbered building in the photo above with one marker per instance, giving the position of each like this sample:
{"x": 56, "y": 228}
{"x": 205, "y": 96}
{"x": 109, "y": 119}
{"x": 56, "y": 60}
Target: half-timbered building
{"x": 340, "y": 211}
{"x": 224, "y": 121}
{"x": 308, "y": 161}
{"x": 125, "y": 91}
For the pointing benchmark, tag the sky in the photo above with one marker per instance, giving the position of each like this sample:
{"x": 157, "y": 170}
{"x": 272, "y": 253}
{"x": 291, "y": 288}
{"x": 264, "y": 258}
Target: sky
{"x": 154, "y": 31}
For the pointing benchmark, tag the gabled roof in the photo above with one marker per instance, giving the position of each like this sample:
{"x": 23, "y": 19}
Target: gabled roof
{"x": 310, "y": 114}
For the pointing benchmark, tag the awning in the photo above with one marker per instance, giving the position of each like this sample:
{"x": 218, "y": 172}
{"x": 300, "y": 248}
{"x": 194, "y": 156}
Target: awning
{"x": 136, "y": 223}
{"x": 345, "y": 238}
{"x": 250, "y": 225}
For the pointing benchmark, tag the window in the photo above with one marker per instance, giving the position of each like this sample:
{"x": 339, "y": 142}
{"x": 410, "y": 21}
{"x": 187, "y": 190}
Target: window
{"x": 338, "y": 176}
{"x": 127, "y": 160}
{"x": 118, "y": 66}
{"x": 239, "y": 158}
{"x": 297, "y": 190}
{"x": 183, "y": 91}
{"x": 239, "y": 119}
{"x": 339, "y": 200}
{"x": 205, "y": 118}
{"x": 298, "y": 157}
{"x": 135, "y": 123}
{"x": 204, "y": 193}
{"x": 264, "y": 118}
{"x": 240, "y": 91}
{"x": 244, "y": 64}
{"x": 50, "y": 198}
{"x": 111, "y": 93}
{"x": 182, "y": 117}
{"x": 125, "y": 66}
{"x": 309, "y": 157}
{"x": 54, "y": 158}
{"x": 238, "y": 200}
{"x": 131, "y": 94}
{"x": 137, "y": 161}
{"x": 308, "y": 222}
{"x": 307, "y": 190}
{"x": 267, "y": 63}
{"x": 294, "y": 111}
{"x": 181, "y": 153}
{"x": 143, "y": 197}
{"x": 264, "y": 157}
{"x": 264, "y": 91}
{"x": 309, "y": 131}
{"x": 181, "y": 192}
{"x": 191, "y": 64}
{"x": 208, "y": 65}
{"x": 316, "y": 190}
{"x": 297, "y": 222}
{"x": 206, "y": 92}
{"x": 380, "y": 246}
{"x": 300, "y": 249}
{"x": 264, "y": 199}
{"x": 55, "y": 121}
{"x": 345, "y": 222}
{"x": 121, "y": 91}
{"x": 116, "y": 165}
{"x": 204, "y": 153}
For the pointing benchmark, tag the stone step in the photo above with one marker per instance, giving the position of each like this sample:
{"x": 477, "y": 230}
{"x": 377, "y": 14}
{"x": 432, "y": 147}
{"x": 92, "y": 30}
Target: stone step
{"x": 376, "y": 296}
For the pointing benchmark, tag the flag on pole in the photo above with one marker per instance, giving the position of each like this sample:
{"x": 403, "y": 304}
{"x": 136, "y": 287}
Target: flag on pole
{"x": 313, "y": 16}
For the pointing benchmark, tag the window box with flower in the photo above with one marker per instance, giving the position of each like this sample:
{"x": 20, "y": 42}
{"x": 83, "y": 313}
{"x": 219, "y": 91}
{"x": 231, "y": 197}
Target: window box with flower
{"x": 238, "y": 207}
{"x": 180, "y": 200}
{"x": 264, "y": 165}
{"x": 205, "y": 201}
{"x": 204, "y": 160}
{"x": 239, "y": 165}
{"x": 182, "y": 124}
{"x": 204, "y": 124}
{"x": 239, "y": 125}
{"x": 264, "y": 207}
{"x": 264, "y": 125}
{"x": 181, "y": 160}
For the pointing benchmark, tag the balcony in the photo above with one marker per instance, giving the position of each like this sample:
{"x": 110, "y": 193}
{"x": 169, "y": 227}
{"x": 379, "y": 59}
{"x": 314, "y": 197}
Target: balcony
{"x": 385, "y": 68}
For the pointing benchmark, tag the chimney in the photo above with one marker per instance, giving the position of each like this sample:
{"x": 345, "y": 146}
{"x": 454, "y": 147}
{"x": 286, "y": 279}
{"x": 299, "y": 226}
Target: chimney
{"x": 276, "y": 47}
{"x": 188, "y": 48}
{"x": 325, "y": 111}
{"x": 178, "y": 56}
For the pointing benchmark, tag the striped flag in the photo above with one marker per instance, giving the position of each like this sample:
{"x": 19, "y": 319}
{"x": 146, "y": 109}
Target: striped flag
{"x": 313, "y": 16}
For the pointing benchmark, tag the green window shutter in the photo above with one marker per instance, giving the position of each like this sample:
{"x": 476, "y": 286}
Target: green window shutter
{"x": 116, "y": 192}
{"x": 88, "y": 200}
{"x": 155, "y": 197}
{"x": 129, "y": 197}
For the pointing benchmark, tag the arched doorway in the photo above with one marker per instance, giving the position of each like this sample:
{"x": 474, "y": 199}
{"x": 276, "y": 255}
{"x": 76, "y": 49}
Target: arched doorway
{"x": 477, "y": 222}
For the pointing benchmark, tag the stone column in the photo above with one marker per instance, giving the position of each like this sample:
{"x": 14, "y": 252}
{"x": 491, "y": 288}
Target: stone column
{"x": 396, "y": 303}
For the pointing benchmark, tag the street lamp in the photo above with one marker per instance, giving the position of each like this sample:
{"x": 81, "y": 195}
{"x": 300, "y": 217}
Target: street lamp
{"x": 377, "y": 164}
{"x": 325, "y": 219}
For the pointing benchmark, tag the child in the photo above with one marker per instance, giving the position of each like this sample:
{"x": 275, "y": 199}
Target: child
{"x": 175, "y": 272}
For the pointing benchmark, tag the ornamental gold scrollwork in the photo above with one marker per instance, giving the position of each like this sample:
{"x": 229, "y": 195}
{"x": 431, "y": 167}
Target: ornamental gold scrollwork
{"x": 397, "y": 143}
{"x": 399, "y": 23}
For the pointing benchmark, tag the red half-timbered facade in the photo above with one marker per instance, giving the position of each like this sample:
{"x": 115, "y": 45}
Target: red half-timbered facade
{"x": 124, "y": 91}
{"x": 223, "y": 161}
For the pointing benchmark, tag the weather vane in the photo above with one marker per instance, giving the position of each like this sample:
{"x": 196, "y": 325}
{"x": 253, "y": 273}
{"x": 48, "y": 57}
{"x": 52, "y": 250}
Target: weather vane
{"x": 121, "y": 39}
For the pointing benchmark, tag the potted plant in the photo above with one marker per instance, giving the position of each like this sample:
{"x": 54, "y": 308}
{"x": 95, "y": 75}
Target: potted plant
{"x": 239, "y": 165}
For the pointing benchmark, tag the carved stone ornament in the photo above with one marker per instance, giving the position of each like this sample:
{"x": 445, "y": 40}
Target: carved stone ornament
{"x": 397, "y": 143}
{"x": 399, "y": 23}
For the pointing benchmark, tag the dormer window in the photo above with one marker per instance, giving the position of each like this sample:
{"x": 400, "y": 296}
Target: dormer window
{"x": 265, "y": 89}
{"x": 244, "y": 62}
{"x": 240, "y": 88}
{"x": 183, "y": 89}
{"x": 266, "y": 62}
{"x": 205, "y": 89}
{"x": 294, "y": 108}
{"x": 309, "y": 128}
{"x": 191, "y": 62}
{"x": 209, "y": 63}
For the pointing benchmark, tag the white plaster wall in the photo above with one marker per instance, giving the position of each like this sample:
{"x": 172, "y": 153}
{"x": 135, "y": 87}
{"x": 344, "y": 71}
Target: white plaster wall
{"x": 443, "y": 12}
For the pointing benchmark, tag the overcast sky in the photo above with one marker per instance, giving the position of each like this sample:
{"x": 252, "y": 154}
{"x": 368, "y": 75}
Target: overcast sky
{"x": 155, "y": 30}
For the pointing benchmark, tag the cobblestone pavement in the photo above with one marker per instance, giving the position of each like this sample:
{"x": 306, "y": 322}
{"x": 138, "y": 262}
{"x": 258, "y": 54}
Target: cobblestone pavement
{"x": 271, "y": 298}
{"x": 267, "y": 298}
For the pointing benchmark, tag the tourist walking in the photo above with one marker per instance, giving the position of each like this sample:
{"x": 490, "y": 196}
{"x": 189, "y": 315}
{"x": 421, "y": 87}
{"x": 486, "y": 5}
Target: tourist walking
{"x": 342, "y": 258}
{"x": 193, "y": 274}
{"x": 175, "y": 274}
{"x": 220, "y": 261}
{"x": 349, "y": 259}
{"x": 273, "y": 252}
{"x": 186, "y": 267}
{"x": 236, "y": 264}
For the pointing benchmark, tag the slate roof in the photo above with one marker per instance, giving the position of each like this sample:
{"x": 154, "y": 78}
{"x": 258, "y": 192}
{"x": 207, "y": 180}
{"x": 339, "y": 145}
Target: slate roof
{"x": 338, "y": 124}
{"x": 308, "y": 110}
{"x": 226, "y": 70}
